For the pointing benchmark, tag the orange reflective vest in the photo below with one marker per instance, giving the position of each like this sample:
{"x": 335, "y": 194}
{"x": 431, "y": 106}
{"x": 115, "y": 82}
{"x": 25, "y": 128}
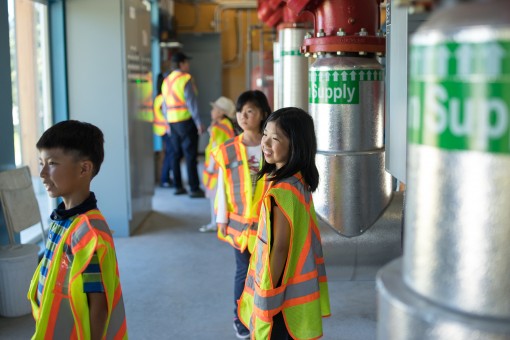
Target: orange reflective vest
{"x": 160, "y": 124}
{"x": 173, "y": 92}
{"x": 303, "y": 296}
{"x": 63, "y": 312}
{"x": 220, "y": 132}
{"x": 243, "y": 204}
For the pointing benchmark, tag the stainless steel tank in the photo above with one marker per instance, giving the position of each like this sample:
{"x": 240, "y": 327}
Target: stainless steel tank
{"x": 346, "y": 96}
{"x": 294, "y": 68}
{"x": 453, "y": 281}
{"x": 277, "y": 83}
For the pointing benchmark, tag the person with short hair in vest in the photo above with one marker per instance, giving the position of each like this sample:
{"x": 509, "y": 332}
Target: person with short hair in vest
{"x": 180, "y": 95}
{"x": 239, "y": 192}
{"x": 223, "y": 115}
{"x": 286, "y": 291}
{"x": 75, "y": 291}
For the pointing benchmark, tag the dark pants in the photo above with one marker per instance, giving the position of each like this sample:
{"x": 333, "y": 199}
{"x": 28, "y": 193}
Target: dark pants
{"x": 242, "y": 262}
{"x": 167, "y": 159}
{"x": 279, "y": 331}
{"x": 184, "y": 140}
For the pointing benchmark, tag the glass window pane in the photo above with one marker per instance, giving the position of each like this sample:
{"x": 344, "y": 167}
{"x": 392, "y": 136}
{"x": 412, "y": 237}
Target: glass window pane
{"x": 31, "y": 110}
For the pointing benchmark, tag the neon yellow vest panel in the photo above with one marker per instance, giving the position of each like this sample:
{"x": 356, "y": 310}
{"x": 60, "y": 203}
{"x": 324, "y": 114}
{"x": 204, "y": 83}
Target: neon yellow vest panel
{"x": 160, "y": 123}
{"x": 243, "y": 205}
{"x": 64, "y": 309}
{"x": 219, "y": 133}
{"x": 303, "y": 295}
{"x": 173, "y": 92}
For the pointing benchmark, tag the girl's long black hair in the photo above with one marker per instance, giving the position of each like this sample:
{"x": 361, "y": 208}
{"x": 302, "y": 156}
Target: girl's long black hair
{"x": 298, "y": 126}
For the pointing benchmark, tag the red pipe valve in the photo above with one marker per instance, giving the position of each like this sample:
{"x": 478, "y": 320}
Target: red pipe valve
{"x": 342, "y": 26}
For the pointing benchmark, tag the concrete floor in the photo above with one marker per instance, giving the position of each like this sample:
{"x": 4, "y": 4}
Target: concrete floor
{"x": 178, "y": 282}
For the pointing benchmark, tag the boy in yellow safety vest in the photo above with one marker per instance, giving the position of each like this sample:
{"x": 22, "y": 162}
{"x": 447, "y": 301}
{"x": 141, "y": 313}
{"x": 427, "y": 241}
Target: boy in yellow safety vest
{"x": 223, "y": 115}
{"x": 75, "y": 291}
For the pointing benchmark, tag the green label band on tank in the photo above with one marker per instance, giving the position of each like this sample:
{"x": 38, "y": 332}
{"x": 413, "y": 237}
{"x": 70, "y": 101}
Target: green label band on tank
{"x": 339, "y": 86}
{"x": 459, "y": 96}
{"x": 295, "y": 53}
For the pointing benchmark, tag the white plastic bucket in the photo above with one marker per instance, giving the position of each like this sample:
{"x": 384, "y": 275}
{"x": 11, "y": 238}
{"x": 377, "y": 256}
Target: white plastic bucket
{"x": 17, "y": 266}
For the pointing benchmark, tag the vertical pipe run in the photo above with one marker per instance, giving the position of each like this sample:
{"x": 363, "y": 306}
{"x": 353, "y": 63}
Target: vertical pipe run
{"x": 294, "y": 68}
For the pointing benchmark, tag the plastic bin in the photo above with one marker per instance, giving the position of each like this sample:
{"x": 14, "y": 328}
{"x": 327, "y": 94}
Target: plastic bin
{"x": 17, "y": 266}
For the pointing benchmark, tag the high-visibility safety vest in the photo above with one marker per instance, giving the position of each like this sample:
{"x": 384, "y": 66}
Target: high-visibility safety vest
{"x": 220, "y": 132}
{"x": 173, "y": 92}
{"x": 243, "y": 205}
{"x": 303, "y": 295}
{"x": 160, "y": 123}
{"x": 63, "y": 312}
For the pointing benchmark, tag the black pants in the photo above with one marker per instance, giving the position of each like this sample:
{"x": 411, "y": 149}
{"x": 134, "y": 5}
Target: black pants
{"x": 279, "y": 331}
{"x": 167, "y": 159}
{"x": 184, "y": 140}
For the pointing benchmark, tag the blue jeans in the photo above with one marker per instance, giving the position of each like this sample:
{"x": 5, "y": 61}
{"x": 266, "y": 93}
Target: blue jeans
{"x": 184, "y": 140}
{"x": 167, "y": 159}
{"x": 242, "y": 262}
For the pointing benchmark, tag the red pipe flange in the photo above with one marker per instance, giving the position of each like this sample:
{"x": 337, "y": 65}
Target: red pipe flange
{"x": 342, "y": 26}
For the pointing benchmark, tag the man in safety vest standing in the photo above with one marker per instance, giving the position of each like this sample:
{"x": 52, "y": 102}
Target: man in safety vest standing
{"x": 180, "y": 95}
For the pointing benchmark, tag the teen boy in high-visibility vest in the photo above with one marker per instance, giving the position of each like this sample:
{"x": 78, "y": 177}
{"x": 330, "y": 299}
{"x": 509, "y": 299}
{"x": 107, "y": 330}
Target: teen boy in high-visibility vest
{"x": 75, "y": 291}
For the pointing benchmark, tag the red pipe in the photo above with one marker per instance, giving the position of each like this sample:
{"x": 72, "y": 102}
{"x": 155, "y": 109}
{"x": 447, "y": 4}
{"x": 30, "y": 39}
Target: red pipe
{"x": 342, "y": 26}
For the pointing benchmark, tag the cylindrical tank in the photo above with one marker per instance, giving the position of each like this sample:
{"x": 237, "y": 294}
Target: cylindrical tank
{"x": 346, "y": 96}
{"x": 458, "y": 221}
{"x": 294, "y": 68}
{"x": 454, "y": 281}
{"x": 277, "y": 83}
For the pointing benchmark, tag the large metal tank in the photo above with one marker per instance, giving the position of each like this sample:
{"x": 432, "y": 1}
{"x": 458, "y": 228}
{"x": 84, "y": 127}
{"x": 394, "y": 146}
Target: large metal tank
{"x": 453, "y": 282}
{"x": 293, "y": 68}
{"x": 346, "y": 96}
{"x": 277, "y": 83}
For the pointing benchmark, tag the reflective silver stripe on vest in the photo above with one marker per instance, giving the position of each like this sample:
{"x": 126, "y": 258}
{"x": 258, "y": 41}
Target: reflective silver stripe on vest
{"x": 235, "y": 167}
{"x": 236, "y": 225}
{"x": 79, "y": 234}
{"x": 116, "y": 319}
{"x": 317, "y": 250}
{"x": 64, "y": 323}
{"x": 292, "y": 291}
{"x": 262, "y": 240}
{"x": 83, "y": 229}
{"x": 173, "y": 107}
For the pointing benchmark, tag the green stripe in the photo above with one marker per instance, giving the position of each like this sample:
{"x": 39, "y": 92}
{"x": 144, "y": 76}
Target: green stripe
{"x": 339, "y": 86}
{"x": 291, "y": 53}
{"x": 459, "y": 96}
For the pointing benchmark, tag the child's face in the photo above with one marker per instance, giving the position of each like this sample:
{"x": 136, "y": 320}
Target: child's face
{"x": 216, "y": 114}
{"x": 275, "y": 145}
{"x": 62, "y": 173}
{"x": 250, "y": 118}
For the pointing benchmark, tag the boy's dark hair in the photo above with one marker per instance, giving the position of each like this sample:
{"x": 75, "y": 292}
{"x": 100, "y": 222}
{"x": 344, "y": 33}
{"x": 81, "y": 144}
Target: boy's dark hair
{"x": 257, "y": 98}
{"x": 297, "y": 125}
{"x": 84, "y": 139}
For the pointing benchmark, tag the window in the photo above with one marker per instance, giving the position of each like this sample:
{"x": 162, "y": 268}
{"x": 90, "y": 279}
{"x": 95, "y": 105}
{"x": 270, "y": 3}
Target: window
{"x": 31, "y": 96}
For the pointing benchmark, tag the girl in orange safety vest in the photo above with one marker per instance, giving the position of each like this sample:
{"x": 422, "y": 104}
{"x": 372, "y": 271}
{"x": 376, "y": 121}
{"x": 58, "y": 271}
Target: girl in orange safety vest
{"x": 223, "y": 115}
{"x": 239, "y": 193}
{"x": 286, "y": 292}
